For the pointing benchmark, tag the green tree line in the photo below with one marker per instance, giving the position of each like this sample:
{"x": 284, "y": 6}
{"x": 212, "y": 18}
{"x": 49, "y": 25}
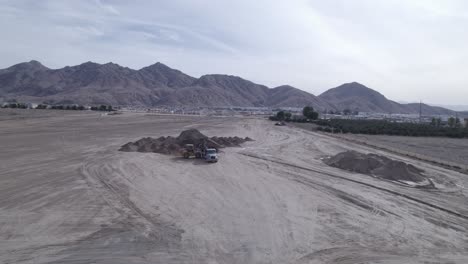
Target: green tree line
{"x": 15, "y": 105}
{"x": 384, "y": 127}
{"x": 308, "y": 114}
{"x": 59, "y": 107}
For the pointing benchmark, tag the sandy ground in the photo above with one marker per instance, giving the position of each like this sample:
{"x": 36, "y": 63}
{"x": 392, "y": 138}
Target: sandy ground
{"x": 68, "y": 196}
{"x": 445, "y": 149}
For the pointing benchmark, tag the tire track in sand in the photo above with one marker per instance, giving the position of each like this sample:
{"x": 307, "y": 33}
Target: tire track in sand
{"x": 448, "y": 211}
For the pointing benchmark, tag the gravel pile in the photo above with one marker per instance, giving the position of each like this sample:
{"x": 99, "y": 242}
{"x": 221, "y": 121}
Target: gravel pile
{"x": 378, "y": 166}
{"x": 174, "y": 145}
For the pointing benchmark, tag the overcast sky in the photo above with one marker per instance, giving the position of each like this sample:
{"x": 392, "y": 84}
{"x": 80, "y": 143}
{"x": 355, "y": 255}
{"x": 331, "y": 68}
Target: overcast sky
{"x": 406, "y": 49}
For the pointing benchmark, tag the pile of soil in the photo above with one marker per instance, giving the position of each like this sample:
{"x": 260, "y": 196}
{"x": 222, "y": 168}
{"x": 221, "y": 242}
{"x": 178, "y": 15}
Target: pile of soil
{"x": 378, "y": 166}
{"x": 175, "y": 145}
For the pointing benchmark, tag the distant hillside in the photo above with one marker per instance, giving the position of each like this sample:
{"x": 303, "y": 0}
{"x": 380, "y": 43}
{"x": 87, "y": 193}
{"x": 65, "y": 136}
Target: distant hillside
{"x": 159, "y": 85}
{"x": 290, "y": 96}
{"x": 463, "y": 114}
{"x": 155, "y": 85}
{"x": 427, "y": 109}
{"x": 357, "y": 97}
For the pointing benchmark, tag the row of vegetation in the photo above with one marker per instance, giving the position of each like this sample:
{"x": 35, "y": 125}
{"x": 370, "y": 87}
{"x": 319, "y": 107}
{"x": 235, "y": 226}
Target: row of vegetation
{"x": 308, "y": 114}
{"x": 384, "y": 127}
{"x": 436, "y": 128}
{"x": 15, "y": 105}
{"x": 102, "y": 108}
{"x": 62, "y": 107}
{"x": 345, "y": 112}
{"x": 453, "y": 122}
{"x": 59, "y": 107}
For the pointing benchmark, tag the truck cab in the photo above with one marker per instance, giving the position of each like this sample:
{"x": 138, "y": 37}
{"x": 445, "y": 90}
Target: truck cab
{"x": 211, "y": 155}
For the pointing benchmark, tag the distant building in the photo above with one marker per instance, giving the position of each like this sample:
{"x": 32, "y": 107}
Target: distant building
{"x": 31, "y": 105}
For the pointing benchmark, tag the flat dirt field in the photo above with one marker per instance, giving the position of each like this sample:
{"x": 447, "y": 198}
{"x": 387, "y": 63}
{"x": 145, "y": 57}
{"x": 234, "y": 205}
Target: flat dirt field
{"x": 445, "y": 149}
{"x": 68, "y": 196}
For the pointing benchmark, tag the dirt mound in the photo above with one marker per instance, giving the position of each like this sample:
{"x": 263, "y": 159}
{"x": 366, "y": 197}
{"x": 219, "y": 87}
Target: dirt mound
{"x": 164, "y": 145}
{"x": 355, "y": 161}
{"x": 190, "y": 136}
{"x": 400, "y": 171}
{"x": 380, "y": 167}
{"x": 174, "y": 145}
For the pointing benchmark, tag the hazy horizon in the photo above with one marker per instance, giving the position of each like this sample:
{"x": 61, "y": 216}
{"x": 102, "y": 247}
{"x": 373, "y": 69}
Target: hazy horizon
{"x": 406, "y": 50}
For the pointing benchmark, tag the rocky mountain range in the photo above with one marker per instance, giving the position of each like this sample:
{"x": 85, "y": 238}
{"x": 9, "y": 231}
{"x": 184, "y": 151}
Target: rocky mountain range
{"x": 159, "y": 85}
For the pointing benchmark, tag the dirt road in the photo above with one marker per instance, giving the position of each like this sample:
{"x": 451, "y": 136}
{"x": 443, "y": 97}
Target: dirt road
{"x": 68, "y": 196}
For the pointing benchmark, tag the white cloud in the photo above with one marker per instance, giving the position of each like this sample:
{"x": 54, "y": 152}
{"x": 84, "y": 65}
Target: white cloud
{"x": 406, "y": 49}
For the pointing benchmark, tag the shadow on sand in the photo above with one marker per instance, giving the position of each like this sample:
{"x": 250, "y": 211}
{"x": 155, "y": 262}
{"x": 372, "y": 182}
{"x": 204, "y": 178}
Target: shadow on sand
{"x": 194, "y": 161}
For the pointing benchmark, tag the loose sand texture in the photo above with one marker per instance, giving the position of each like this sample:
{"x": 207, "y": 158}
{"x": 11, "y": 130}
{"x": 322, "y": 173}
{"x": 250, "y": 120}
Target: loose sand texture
{"x": 67, "y": 195}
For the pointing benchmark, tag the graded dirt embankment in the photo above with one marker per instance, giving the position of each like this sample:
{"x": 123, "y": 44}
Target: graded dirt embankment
{"x": 174, "y": 145}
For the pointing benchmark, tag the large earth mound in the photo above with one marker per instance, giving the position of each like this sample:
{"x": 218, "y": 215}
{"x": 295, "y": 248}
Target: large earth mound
{"x": 380, "y": 167}
{"x": 174, "y": 145}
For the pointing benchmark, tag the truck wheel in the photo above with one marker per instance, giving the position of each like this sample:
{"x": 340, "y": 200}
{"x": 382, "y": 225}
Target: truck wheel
{"x": 186, "y": 155}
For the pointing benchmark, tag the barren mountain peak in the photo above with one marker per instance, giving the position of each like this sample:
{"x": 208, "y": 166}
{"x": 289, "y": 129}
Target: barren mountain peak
{"x": 112, "y": 65}
{"x": 354, "y": 85}
{"x": 353, "y": 88}
{"x": 89, "y": 64}
{"x": 358, "y": 97}
{"x": 35, "y": 62}
{"x": 31, "y": 65}
{"x": 158, "y": 66}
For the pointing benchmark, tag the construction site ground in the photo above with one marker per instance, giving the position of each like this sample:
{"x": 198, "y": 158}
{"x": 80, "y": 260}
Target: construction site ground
{"x": 67, "y": 195}
{"x": 442, "y": 149}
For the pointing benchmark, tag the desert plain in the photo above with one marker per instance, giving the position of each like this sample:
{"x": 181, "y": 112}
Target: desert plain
{"x": 67, "y": 195}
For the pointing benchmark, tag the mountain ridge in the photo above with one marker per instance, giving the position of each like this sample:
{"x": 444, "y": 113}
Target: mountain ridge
{"x": 160, "y": 85}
